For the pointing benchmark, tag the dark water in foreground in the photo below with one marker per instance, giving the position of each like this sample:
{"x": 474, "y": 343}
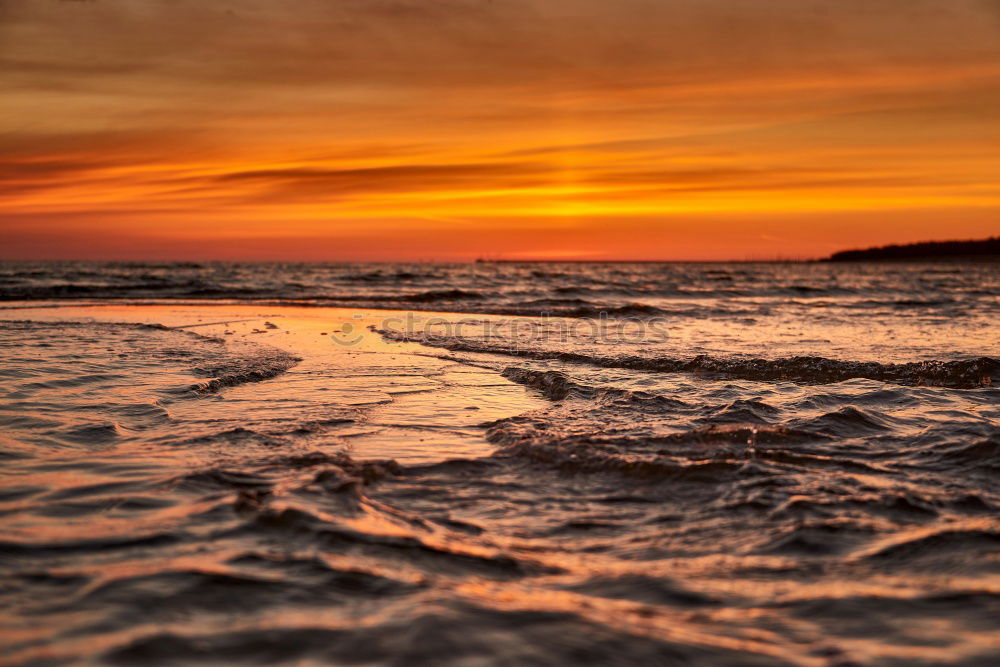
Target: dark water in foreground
{"x": 764, "y": 464}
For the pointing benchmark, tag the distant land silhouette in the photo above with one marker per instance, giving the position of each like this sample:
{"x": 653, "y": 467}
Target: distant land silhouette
{"x": 985, "y": 250}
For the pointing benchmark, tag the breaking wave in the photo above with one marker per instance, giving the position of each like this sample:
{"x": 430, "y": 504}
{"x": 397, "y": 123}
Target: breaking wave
{"x": 963, "y": 373}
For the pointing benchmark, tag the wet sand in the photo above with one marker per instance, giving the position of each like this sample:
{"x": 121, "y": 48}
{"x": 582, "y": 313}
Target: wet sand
{"x": 419, "y": 406}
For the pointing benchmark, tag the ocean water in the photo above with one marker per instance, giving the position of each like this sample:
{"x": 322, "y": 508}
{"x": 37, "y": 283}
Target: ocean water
{"x": 546, "y": 464}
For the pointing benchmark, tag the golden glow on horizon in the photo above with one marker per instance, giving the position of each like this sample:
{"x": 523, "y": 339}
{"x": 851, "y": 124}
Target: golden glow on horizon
{"x": 534, "y": 128}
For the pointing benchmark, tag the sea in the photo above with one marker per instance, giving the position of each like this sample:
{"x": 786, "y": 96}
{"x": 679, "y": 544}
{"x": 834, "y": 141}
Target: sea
{"x": 500, "y": 463}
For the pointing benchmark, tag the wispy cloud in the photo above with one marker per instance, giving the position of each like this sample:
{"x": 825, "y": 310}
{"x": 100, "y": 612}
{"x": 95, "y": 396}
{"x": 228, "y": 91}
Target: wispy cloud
{"x": 397, "y": 178}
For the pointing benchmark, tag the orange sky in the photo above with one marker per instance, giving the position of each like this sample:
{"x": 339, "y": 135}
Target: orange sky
{"x": 452, "y": 129}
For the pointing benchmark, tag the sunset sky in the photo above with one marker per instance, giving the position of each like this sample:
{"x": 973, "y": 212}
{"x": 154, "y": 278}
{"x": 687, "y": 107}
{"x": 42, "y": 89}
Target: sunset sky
{"x": 453, "y": 129}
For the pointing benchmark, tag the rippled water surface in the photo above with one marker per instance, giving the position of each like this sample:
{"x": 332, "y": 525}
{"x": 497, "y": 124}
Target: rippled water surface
{"x": 595, "y": 464}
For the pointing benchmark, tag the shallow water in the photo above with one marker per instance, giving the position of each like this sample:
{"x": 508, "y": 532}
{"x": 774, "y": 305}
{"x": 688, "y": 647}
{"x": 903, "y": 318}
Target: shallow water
{"x": 248, "y": 483}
